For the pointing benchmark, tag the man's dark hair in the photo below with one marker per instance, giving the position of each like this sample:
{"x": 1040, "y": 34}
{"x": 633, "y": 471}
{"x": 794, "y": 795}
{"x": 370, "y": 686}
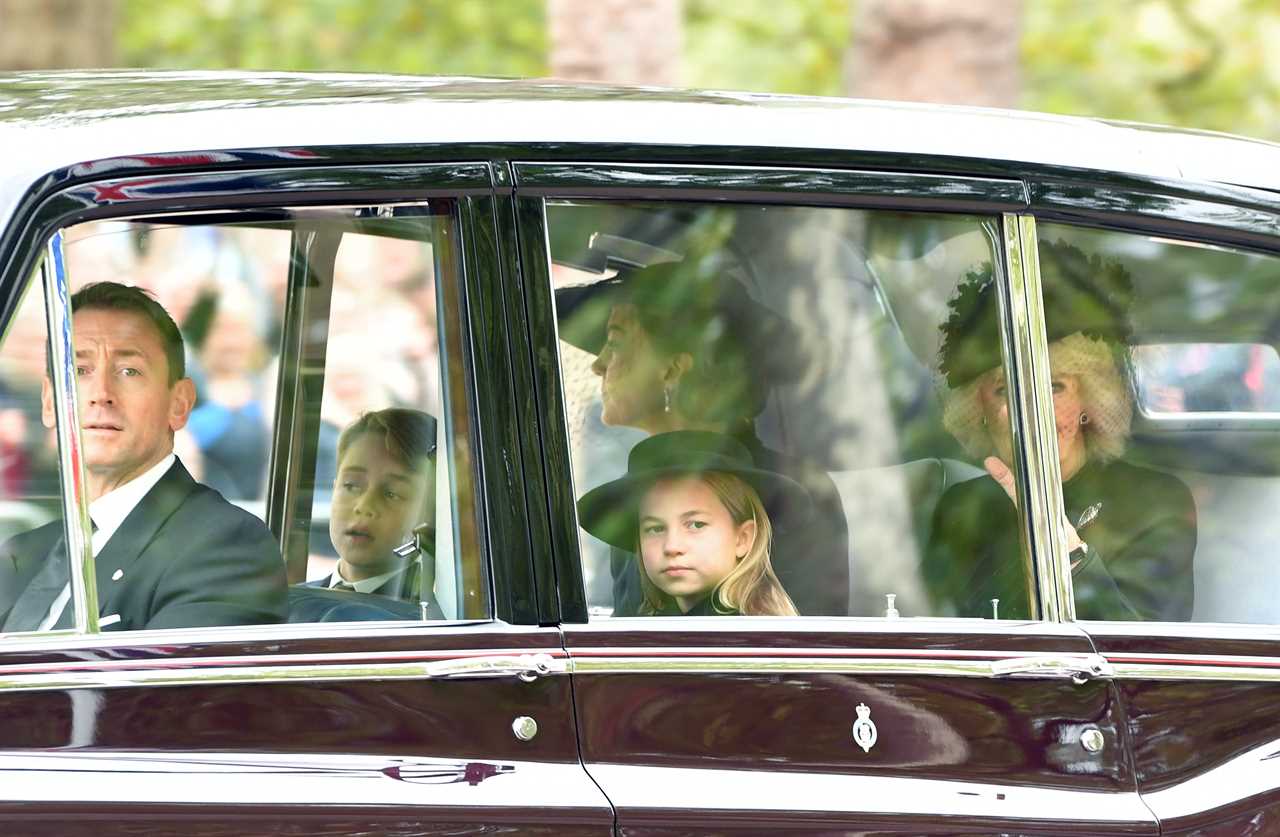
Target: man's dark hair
{"x": 112, "y": 296}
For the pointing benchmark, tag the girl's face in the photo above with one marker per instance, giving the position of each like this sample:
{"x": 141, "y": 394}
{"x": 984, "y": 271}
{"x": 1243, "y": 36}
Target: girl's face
{"x": 688, "y": 540}
{"x": 631, "y": 373}
{"x": 1068, "y": 405}
{"x": 377, "y": 501}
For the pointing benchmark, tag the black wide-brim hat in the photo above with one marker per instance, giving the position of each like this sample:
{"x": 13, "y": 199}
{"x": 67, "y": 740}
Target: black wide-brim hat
{"x": 699, "y": 308}
{"x": 611, "y": 511}
{"x": 1082, "y": 294}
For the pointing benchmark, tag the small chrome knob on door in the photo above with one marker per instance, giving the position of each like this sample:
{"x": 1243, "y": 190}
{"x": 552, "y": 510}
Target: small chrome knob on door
{"x": 1092, "y": 740}
{"x": 525, "y": 728}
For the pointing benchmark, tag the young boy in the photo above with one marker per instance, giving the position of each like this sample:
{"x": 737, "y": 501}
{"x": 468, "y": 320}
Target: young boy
{"x": 384, "y": 489}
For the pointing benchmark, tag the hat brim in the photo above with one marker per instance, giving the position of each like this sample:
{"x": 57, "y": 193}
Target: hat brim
{"x": 611, "y": 512}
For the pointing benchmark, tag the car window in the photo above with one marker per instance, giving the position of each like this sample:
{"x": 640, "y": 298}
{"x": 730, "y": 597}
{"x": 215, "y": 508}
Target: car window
{"x": 777, "y": 410}
{"x": 319, "y": 472}
{"x": 1164, "y": 353}
{"x": 31, "y": 510}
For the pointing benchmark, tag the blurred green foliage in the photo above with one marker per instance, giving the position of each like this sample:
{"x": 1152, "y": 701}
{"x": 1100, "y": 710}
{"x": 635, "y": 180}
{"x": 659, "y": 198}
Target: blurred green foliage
{"x": 445, "y": 37}
{"x": 1202, "y": 63}
{"x": 775, "y": 46}
{"x": 1210, "y": 64}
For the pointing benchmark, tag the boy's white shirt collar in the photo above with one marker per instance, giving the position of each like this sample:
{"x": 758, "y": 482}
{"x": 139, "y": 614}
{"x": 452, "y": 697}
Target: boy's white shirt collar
{"x": 364, "y": 585}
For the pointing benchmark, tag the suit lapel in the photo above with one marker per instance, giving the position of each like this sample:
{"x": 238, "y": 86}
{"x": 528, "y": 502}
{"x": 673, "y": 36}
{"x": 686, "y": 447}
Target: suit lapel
{"x": 139, "y": 529}
{"x": 31, "y": 609}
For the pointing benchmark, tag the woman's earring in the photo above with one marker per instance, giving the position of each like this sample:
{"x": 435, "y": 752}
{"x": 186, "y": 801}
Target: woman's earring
{"x": 666, "y": 399}
{"x": 1084, "y": 419}
{"x": 984, "y": 421}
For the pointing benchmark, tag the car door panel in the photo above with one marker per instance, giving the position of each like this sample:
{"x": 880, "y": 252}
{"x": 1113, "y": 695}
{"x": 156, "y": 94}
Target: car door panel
{"x": 682, "y": 729}
{"x": 418, "y": 737}
{"x": 1205, "y": 737}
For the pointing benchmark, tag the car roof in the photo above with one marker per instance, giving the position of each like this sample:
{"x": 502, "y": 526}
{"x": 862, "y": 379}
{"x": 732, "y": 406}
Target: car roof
{"x": 51, "y": 121}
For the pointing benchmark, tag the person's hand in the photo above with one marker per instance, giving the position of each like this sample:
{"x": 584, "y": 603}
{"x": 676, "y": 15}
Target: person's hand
{"x": 1000, "y": 473}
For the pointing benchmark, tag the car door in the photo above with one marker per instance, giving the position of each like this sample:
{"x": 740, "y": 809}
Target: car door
{"x": 898, "y": 706}
{"x": 308, "y": 297}
{"x": 1198, "y": 676}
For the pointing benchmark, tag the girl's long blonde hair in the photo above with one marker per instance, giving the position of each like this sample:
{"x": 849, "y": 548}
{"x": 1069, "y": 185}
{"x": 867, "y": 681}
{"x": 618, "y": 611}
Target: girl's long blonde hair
{"x": 751, "y": 588}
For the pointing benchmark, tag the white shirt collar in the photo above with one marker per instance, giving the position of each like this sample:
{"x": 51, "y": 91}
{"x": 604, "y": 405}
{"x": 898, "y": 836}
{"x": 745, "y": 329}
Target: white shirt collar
{"x": 110, "y": 510}
{"x": 364, "y": 585}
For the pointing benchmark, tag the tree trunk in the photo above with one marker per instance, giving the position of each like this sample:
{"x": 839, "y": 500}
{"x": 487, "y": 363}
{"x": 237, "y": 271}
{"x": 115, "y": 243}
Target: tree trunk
{"x": 56, "y": 34}
{"x": 950, "y": 51}
{"x": 621, "y": 41}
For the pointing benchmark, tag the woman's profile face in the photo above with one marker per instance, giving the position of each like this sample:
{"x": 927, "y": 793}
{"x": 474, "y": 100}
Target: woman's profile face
{"x": 631, "y": 373}
{"x": 688, "y": 540}
{"x": 1068, "y": 406}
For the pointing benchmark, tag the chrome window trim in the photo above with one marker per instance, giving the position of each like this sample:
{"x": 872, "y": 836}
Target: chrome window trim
{"x": 1188, "y": 672}
{"x": 1025, "y": 351}
{"x": 846, "y": 626}
{"x": 525, "y": 666}
{"x": 68, "y": 640}
{"x": 72, "y": 488}
{"x": 594, "y": 180}
{"x": 1205, "y": 631}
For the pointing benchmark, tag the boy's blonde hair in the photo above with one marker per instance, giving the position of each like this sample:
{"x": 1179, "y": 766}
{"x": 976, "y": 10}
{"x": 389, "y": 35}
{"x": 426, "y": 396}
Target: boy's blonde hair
{"x": 751, "y": 588}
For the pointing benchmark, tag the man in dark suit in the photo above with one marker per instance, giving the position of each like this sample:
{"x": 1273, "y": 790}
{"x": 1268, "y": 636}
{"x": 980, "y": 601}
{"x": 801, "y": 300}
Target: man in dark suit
{"x": 169, "y": 552}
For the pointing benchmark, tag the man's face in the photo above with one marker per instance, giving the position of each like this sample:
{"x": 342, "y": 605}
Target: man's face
{"x": 128, "y": 410}
{"x": 377, "y": 502}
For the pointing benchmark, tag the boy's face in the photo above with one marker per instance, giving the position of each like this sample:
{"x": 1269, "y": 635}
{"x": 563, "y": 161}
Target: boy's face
{"x": 377, "y": 501}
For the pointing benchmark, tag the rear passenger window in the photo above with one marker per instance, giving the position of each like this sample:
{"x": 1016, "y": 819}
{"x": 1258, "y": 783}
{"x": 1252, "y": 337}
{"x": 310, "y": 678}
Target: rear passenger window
{"x": 321, "y": 444}
{"x": 1165, "y": 353}
{"x": 763, "y": 412}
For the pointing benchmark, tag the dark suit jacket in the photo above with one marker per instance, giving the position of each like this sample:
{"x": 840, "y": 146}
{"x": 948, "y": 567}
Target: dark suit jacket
{"x": 1141, "y": 547}
{"x": 183, "y": 558}
{"x": 399, "y": 586}
{"x": 324, "y": 605}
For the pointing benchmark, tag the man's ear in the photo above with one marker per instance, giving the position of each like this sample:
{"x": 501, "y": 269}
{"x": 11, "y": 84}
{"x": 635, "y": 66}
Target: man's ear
{"x": 46, "y": 403}
{"x": 746, "y": 538}
{"x": 182, "y": 399}
{"x": 677, "y": 367}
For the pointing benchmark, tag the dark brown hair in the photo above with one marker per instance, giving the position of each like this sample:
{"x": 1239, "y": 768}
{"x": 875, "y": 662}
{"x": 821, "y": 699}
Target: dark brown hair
{"x": 409, "y": 435}
{"x": 113, "y": 296}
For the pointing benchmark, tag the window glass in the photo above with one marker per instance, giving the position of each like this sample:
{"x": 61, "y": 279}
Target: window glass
{"x": 319, "y": 472}
{"x": 1177, "y": 378}
{"x": 778, "y": 410}
{"x": 1164, "y": 358}
{"x": 30, "y": 500}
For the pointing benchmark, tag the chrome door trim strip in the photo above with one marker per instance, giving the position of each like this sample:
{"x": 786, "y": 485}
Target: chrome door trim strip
{"x": 1078, "y": 667}
{"x": 1235, "y": 674}
{"x": 525, "y": 667}
{"x": 521, "y": 664}
{"x": 645, "y": 790}
{"x": 1025, "y": 351}
{"x": 74, "y": 494}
